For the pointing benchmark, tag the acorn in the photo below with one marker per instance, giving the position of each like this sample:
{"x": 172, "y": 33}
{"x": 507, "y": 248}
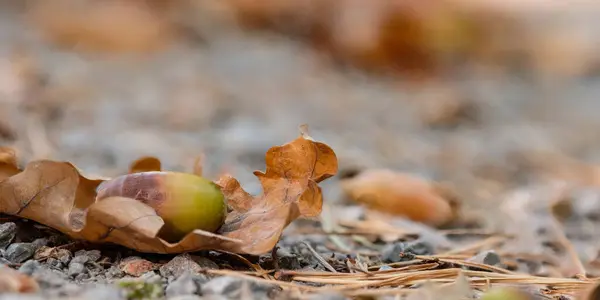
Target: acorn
{"x": 184, "y": 201}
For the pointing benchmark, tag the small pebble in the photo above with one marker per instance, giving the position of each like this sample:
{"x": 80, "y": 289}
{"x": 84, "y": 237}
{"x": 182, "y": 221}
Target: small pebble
{"x": 328, "y": 296}
{"x": 102, "y": 292}
{"x": 184, "y": 285}
{"x": 21, "y": 297}
{"x": 4, "y": 261}
{"x": 404, "y": 251}
{"x": 194, "y": 297}
{"x": 136, "y": 266}
{"x": 385, "y": 268}
{"x": 80, "y": 259}
{"x": 486, "y": 257}
{"x": 19, "y": 252}
{"x": 75, "y": 269}
{"x": 41, "y": 242}
{"x": 29, "y": 267}
{"x": 48, "y": 278}
{"x": 234, "y": 287}
{"x": 54, "y": 263}
{"x": 395, "y": 253}
{"x": 287, "y": 260}
{"x": 151, "y": 277}
{"x": 64, "y": 256}
{"x": 8, "y": 231}
{"x": 94, "y": 255}
{"x": 186, "y": 263}
{"x": 114, "y": 272}
{"x": 81, "y": 277}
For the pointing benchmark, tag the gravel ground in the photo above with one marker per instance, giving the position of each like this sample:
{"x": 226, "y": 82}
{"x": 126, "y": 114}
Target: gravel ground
{"x": 240, "y": 94}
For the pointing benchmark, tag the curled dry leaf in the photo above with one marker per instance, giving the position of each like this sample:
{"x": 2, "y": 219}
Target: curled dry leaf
{"x": 12, "y": 281}
{"x": 56, "y": 194}
{"x": 399, "y": 194}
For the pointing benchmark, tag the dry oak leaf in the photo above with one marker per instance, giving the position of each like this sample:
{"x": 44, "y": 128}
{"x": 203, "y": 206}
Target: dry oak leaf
{"x": 399, "y": 194}
{"x": 57, "y": 195}
{"x": 290, "y": 191}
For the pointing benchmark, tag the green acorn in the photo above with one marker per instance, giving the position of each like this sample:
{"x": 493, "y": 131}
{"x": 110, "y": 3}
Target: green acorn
{"x": 184, "y": 201}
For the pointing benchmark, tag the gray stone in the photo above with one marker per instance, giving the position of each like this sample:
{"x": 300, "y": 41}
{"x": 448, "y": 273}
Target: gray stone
{"x": 207, "y": 297}
{"x": 39, "y": 243}
{"x": 114, "y": 272}
{"x": 19, "y": 252}
{"x": 8, "y": 231}
{"x": 54, "y": 263}
{"x": 101, "y": 292}
{"x": 151, "y": 277}
{"x": 82, "y": 277}
{"x": 81, "y": 259}
{"x": 75, "y": 269}
{"x": 287, "y": 260}
{"x": 4, "y": 261}
{"x": 48, "y": 278}
{"x": 94, "y": 255}
{"x": 184, "y": 285}
{"x": 21, "y": 297}
{"x": 91, "y": 255}
{"x": 193, "y": 297}
{"x": 489, "y": 257}
{"x": 404, "y": 251}
{"x": 328, "y": 296}
{"x": 234, "y": 287}
{"x": 29, "y": 267}
{"x": 64, "y": 256}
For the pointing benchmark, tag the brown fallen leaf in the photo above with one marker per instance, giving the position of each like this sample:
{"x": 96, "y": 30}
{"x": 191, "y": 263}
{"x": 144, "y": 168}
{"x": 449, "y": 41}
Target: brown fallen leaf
{"x": 56, "y": 194}
{"x": 290, "y": 191}
{"x": 399, "y": 194}
{"x": 114, "y": 26}
{"x": 8, "y": 163}
{"x": 13, "y": 281}
{"x": 145, "y": 164}
{"x": 417, "y": 38}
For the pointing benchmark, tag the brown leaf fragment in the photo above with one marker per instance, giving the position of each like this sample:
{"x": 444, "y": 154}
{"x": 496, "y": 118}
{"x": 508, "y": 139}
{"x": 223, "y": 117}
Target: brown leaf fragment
{"x": 145, "y": 164}
{"x": 237, "y": 199}
{"x": 399, "y": 194}
{"x": 8, "y": 163}
{"x": 12, "y": 281}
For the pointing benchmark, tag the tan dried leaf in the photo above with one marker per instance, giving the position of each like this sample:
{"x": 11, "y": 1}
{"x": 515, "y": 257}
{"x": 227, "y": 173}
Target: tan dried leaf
{"x": 399, "y": 194}
{"x": 56, "y": 194}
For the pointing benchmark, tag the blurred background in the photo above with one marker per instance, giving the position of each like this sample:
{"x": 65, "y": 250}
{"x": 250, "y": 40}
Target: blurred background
{"x": 489, "y": 96}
